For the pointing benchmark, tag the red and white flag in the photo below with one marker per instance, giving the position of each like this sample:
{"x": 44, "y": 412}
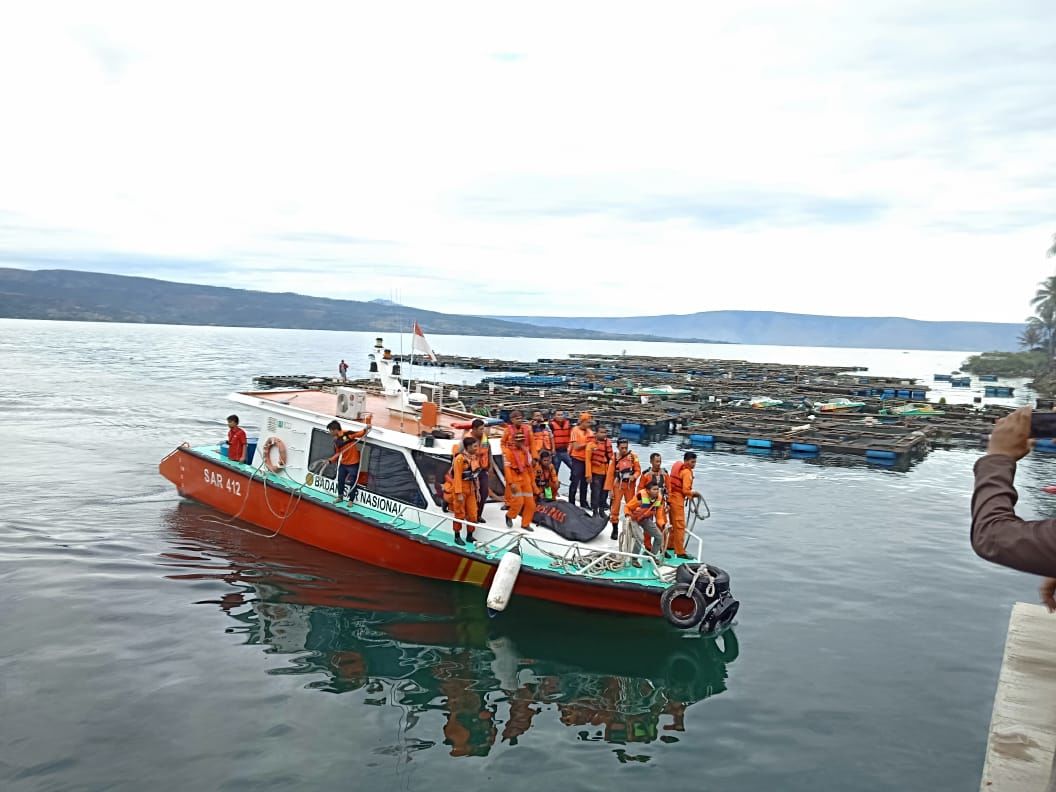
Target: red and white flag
{"x": 420, "y": 345}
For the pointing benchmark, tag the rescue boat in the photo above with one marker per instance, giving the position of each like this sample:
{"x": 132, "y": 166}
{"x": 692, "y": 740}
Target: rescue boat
{"x": 397, "y": 518}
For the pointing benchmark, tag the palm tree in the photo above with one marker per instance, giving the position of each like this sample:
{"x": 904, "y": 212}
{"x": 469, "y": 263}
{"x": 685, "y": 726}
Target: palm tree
{"x": 1033, "y": 335}
{"x": 1046, "y": 315}
{"x": 1046, "y": 293}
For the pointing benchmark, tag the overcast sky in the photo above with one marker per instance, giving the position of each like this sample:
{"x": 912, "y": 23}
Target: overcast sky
{"x": 854, "y": 158}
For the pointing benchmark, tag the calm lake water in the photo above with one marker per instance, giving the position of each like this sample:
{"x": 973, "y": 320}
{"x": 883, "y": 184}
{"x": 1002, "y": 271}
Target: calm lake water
{"x": 145, "y": 645}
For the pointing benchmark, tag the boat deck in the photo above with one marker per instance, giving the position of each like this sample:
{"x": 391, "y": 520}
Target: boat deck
{"x": 436, "y": 528}
{"x": 382, "y": 415}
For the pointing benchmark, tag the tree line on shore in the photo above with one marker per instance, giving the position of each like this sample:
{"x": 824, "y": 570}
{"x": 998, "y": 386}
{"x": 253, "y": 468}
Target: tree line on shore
{"x": 1040, "y": 332}
{"x": 1037, "y": 342}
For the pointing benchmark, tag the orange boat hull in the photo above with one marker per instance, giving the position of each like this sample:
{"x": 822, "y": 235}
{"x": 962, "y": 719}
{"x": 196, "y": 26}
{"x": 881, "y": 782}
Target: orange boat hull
{"x": 278, "y": 510}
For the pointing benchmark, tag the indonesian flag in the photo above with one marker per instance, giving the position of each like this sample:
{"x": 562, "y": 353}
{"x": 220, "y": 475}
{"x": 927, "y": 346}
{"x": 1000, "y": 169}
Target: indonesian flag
{"x": 420, "y": 345}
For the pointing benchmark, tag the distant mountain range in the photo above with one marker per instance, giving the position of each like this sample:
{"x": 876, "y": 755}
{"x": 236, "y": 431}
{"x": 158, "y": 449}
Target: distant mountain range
{"x": 98, "y": 297}
{"x": 766, "y": 327}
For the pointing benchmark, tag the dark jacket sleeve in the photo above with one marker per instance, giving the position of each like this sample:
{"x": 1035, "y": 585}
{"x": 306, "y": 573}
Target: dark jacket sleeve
{"x": 1000, "y": 536}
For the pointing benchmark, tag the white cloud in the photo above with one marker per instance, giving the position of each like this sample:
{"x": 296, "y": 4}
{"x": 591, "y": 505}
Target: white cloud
{"x": 879, "y": 159}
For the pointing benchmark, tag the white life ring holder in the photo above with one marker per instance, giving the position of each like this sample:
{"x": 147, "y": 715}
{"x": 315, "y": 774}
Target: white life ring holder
{"x": 270, "y": 443}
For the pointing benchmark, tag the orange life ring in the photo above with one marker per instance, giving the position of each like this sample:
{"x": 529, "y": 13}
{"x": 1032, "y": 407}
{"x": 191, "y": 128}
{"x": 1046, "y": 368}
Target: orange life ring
{"x": 270, "y": 443}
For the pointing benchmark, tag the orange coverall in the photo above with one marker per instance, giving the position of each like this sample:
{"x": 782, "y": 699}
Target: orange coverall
{"x": 461, "y": 493}
{"x": 624, "y": 472}
{"x": 520, "y": 486}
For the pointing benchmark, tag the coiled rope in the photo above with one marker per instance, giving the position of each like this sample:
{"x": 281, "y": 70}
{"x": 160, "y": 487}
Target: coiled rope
{"x": 296, "y": 497}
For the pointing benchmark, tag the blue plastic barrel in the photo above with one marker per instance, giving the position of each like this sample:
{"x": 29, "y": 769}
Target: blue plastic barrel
{"x": 224, "y": 450}
{"x": 701, "y": 439}
{"x": 903, "y": 394}
{"x": 1045, "y": 444}
{"x": 920, "y": 394}
{"x": 251, "y": 449}
{"x": 876, "y": 453}
{"x": 805, "y": 448}
{"x": 756, "y": 443}
{"x": 631, "y": 428}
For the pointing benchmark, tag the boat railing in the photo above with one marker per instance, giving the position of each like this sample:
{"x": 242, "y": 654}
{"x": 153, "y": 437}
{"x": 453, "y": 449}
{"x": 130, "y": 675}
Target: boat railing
{"x": 573, "y": 557}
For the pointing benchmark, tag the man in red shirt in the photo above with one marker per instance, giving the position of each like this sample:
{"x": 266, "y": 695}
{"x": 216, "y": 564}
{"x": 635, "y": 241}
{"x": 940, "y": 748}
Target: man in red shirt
{"x": 236, "y": 440}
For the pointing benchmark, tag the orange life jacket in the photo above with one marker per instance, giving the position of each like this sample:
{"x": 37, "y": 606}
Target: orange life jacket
{"x": 483, "y": 452}
{"x": 649, "y": 475}
{"x": 468, "y": 477}
{"x": 639, "y": 510}
{"x": 674, "y": 486}
{"x": 601, "y": 455}
{"x": 562, "y": 434}
{"x": 542, "y": 439}
{"x": 510, "y": 433}
{"x": 469, "y": 471}
{"x": 518, "y": 462}
{"x": 625, "y": 468}
{"x": 546, "y": 478}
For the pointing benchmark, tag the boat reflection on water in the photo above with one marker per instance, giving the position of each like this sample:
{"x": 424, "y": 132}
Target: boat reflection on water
{"x": 427, "y": 647}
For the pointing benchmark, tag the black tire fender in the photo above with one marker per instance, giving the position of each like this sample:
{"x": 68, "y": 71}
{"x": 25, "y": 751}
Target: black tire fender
{"x": 674, "y": 602}
{"x": 721, "y": 614}
{"x": 685, "y": 572}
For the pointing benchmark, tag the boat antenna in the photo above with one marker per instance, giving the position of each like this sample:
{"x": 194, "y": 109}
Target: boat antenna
{"x": 410, "y": 364}
{"x": 405, "y": 395}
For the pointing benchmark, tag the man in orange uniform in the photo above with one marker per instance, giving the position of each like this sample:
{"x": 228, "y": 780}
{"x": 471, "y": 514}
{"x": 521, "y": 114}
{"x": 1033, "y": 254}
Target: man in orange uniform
{"x": 599, "y": 458}
{"x": 460, "y": 488}
{"x": 624, "y": 472}
{"x": 542, "y": 437}
{"x": 546, "y": 481}
{"x": 520, "y": 483}
{"x": 346, "y": 449}
{"x": 515, "y": 428}
{"x": 647, "y": 516}
{"x": 680, "y": 487}
{"x": 479, "y": 433}
{"x": 655, "y": 471}
{"x": 577, "y": 449}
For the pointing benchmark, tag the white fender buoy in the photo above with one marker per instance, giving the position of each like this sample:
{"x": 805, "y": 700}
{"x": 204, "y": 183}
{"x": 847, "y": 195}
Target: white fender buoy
{"x": 502, "y": 585}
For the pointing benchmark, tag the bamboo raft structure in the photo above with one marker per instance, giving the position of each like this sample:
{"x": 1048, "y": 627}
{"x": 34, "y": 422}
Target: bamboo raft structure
{"x": 710, "y": 403}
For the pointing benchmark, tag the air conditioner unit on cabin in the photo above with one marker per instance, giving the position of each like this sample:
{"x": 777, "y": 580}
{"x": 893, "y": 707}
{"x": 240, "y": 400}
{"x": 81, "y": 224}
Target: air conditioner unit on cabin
{"x": 351, "y": 403}
{"x": 431, "y": 392}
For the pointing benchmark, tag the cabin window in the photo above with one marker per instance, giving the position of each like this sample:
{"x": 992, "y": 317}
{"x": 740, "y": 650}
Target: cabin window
{"x": 389, "y": 475}
{"x": 322, "y": 448}
{"x": 433, "y": 470}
